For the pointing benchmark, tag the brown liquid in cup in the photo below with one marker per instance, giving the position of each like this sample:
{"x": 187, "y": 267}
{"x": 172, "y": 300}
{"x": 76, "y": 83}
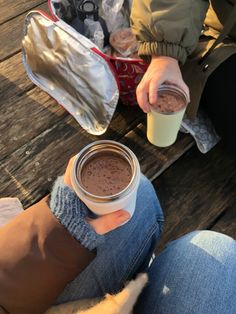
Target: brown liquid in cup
{"x": 106, "y": 174}
{"x": 169, "y": 102}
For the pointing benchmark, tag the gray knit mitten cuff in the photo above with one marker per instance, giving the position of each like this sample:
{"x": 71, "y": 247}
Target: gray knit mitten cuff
{"x": 71, "y": 212}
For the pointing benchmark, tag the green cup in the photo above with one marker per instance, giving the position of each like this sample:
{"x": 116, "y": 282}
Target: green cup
{"x": 164, "y": 119}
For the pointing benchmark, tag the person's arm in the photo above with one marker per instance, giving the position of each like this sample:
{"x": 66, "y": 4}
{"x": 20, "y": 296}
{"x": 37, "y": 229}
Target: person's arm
{"x": 44, "y": 248}
{"x": 168, "y": 27}
{"x": 38, "y": 257}
{"x": 168, "y": 31}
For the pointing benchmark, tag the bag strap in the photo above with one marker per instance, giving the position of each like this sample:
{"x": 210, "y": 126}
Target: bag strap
{"x": 231, "y": 21}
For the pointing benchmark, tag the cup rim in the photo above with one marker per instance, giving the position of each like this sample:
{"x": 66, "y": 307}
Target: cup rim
{"x": 177, "y": 90}
{"x": 135, "y": 167}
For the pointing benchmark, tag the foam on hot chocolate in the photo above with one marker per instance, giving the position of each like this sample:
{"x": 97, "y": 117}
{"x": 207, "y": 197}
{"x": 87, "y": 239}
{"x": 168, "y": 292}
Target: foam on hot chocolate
{"x": 169, "y": 102}
{"x": 106, "y": 174}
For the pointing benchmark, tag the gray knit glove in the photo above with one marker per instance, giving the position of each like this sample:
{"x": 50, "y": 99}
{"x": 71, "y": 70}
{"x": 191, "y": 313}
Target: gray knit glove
{"x": 71, "y": 212}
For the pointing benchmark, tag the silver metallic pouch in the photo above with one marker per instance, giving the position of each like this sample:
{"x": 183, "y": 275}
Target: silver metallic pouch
{"x": 66, "y": 65}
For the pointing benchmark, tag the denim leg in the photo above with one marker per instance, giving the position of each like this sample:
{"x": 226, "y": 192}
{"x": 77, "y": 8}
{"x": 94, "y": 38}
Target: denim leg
{"x": 195, "y": 274}
{"x": 126, "y": 250}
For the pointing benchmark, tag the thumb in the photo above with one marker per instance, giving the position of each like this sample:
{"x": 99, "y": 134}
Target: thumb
{"x": 109, "y": 222}
{"x": 153, "y": 92}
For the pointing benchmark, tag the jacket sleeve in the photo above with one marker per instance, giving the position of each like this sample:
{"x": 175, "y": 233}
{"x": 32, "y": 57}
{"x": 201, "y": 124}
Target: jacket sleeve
{"x": 168, "y": 27}
{"x": 38, "y": 257}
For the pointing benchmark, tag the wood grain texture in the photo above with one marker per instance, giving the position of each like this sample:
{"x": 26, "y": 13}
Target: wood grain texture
{"x": 28, "y": 115}
{"x": 13, "y": 79}
{"x": 12, "y": 8}
{"x": 155, "y": 160}
{"x": 227, "y": 222}
{"x": 37, "y": 148}
{"x": 196, "y": 190}
{"x": 29, "y": 172}
{"x": 11, "y": 34}
{"x": 25, "y": 117}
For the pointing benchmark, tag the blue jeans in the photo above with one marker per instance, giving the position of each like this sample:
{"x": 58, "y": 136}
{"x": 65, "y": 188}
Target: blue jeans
{"x": 194, "y": 274}
{"x": 126, "y": 251}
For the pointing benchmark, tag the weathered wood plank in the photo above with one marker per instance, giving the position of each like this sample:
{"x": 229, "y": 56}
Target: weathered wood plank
{"x": 13, "y": 79}
{"x": 26, "y": 117}
{"x": 227, "y": 222}
{"x": 29, "y": 172}
{"x": 35, "y": 111}
{"x": 11, "y": 34}
{"x": 196, "y": 190}
{"x": 12, "y": 8}
{"x": 155, "y": 160}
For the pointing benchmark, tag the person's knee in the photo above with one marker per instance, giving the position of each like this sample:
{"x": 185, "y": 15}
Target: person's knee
{"x": 214, "y": 243}
{"x": 207, "y": 235}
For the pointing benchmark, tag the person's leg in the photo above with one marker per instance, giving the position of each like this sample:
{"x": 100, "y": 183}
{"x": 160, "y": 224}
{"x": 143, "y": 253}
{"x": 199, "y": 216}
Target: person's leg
{"x": 126, "y": 251}
{"x": 219, "y": 100}
{"x": 194, "y": 274}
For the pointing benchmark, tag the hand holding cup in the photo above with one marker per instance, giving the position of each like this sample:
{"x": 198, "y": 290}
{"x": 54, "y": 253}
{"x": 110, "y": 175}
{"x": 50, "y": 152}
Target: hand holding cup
{"x": 105, "y": 223}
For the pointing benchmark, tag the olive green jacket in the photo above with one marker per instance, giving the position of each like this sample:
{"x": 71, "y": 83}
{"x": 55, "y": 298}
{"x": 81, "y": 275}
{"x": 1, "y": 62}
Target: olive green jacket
{"x": 173, "y": 28}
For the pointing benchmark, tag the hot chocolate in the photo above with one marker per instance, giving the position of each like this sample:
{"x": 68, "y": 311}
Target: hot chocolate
{"x": 106, "y": 174}
{"x": 169, "y": 102}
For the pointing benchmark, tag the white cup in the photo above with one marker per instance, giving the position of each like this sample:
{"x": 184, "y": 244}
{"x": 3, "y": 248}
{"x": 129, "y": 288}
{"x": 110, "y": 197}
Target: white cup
{"x": 101, "y": 205}
{"x": 163, "y": 127}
